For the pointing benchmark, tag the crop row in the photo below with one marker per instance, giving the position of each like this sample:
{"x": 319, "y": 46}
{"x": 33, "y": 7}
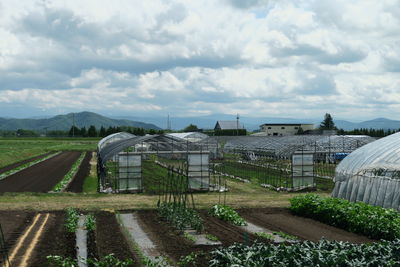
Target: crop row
{"x": 307, "y": 253}
{"x": 372, "y": 221}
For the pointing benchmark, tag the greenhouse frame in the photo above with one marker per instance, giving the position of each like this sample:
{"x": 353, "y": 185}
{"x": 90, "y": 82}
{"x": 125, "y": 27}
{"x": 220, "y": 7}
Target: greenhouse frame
{"x": 120, "y": 161}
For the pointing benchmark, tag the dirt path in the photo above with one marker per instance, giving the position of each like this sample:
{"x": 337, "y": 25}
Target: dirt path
{"x": 41, "y": 177}
{"x": 76, "y": 184}
{"x": 17, "y": 164}
{"x": 279, "y": 219}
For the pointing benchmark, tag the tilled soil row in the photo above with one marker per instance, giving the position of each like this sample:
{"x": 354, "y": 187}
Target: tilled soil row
{"x": 76, "y": 185}
{"x": 280, "y": 219}
{"x": 41, "y": 177}
{"x": 17, "y": 164}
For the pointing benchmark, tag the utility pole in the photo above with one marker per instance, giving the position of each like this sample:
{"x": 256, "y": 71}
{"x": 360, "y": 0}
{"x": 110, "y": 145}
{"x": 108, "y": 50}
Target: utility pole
{"x": 168, "y": 123}
{"x": 73, "y": 124}
{"x": 45, "y": 128}
{"x": 237, "y": 124}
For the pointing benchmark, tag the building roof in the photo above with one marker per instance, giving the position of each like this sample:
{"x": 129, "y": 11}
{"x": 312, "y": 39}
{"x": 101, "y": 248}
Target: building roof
{"x": 227, "y": 125}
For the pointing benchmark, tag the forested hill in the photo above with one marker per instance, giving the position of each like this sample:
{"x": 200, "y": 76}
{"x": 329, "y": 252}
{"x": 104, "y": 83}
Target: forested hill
{"x": 64, "y": 122}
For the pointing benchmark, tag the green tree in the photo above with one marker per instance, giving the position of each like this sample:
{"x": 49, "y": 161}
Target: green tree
{"x": 102, "y": 132}
{"x": 327, "y": 123}
{"x": 74, "y": 131}
{"x": 92, "y": 132}
{"x": 191, "y": 128}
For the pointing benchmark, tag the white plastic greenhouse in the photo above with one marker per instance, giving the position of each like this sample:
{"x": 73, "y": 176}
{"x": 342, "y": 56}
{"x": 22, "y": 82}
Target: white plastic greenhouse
{"x": 371, "y": 174}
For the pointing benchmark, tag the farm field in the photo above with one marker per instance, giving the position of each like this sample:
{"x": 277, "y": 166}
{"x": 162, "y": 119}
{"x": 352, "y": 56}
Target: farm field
{"x": 35, "y": 223}
{"x": 41, "y": 177}
{"x": 53, "y": 238}
{"x": 17, "y": 150}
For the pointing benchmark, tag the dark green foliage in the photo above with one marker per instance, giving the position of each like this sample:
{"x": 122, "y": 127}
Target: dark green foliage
{"x": 227, "y": 214}
{"x": 307, "y": 253}
{"x": 369, "y": 132}
{"x": 72, "y": 220}
{"x": 92, "y": 131}
{"x": 374, "y": 222}
{"x": 191, "y": 128}
{"x": 107, "y": 261}
{"x": 327, "y": 123}
{"x": 26, "y": 133}
{"x": 180, "y": 216}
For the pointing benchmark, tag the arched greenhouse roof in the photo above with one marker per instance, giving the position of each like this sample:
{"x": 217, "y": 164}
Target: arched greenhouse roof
{"x": 380, "y": 154}
{"x": 113, "y": 138}
{"x": 195, "y": 136}
{"x": 156, "y": 143}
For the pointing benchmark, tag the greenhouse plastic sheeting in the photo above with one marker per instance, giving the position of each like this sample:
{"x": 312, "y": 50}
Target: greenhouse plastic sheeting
{"x": 378, "y": 191}
{"x": 355, "y": 179}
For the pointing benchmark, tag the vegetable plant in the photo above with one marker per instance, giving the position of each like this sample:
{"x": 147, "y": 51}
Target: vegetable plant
{"x": 307, "y": 253}
{"x": 372, "y": 221}
{"x": 72, "y": 220}
{"x": 227, "y": 214}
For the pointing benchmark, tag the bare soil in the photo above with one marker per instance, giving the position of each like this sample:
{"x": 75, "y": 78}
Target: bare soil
{"x": 13, "y": 224}
{"x": 280, "y": 219}
{"x": 17, "y": 164}
{"x": 41, "y": 177}
{"x": 54, "y": 241}
{"x": 109, "y": 238}
{"x": 76, "y": 185}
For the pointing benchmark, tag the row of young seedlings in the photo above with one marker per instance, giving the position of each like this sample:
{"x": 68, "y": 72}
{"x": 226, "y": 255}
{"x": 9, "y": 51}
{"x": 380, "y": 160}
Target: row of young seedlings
{"x": 70, "y": 175}
{"x": 84, "y": 227}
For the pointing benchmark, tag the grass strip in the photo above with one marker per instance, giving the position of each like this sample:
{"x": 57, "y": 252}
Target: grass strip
{"x": 70, "y": 175}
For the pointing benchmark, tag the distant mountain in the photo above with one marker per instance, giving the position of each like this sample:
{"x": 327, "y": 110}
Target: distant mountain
{"x": 64, "y": 122}
{"x": 378, "y": 123}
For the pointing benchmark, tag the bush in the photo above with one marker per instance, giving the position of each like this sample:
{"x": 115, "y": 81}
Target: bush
{"x": 374, "y": 222}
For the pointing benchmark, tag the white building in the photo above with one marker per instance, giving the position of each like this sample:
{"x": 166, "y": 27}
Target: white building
{"x": 283, "y": 129}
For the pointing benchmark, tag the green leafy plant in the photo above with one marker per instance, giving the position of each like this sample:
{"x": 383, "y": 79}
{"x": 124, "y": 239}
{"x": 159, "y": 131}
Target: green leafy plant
{"x": 285, "y": 235}
{"x": 372, "y": 221}
{"x": 211, "y": 237}
{"x": 60, "y": 261}
{"x": 180, "y": 216}
{"x": 189, "y": 236}
{"x": 307, "y": 253}
{"x": 71, "y": 173}
{"x": 90, "y": 222}
{"x": 72, "y": 220}
{"x": 189, "y": 260}
{"x": 265, "y": 235}
{"x": 107, "y": 261}
{"x": 227, "y": 214}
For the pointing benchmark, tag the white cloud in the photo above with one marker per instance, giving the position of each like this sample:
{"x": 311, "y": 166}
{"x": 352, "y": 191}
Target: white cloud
{"x": 282, "y": 58}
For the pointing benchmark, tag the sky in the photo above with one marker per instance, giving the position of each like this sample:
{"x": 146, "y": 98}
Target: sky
{"x": 258, "y": 58}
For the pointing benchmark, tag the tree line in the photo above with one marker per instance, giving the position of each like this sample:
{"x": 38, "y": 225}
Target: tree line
{"x": 75, "y": 131}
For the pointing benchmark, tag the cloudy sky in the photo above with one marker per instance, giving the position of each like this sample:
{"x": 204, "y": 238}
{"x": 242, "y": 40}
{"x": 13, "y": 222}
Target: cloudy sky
{"x": 276, "y": 58}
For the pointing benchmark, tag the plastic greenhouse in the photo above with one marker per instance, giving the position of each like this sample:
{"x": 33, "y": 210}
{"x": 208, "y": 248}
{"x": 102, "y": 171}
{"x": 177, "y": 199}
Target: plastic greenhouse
{"x": 371, "y": 174}
{"x": 120, "y": 158}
